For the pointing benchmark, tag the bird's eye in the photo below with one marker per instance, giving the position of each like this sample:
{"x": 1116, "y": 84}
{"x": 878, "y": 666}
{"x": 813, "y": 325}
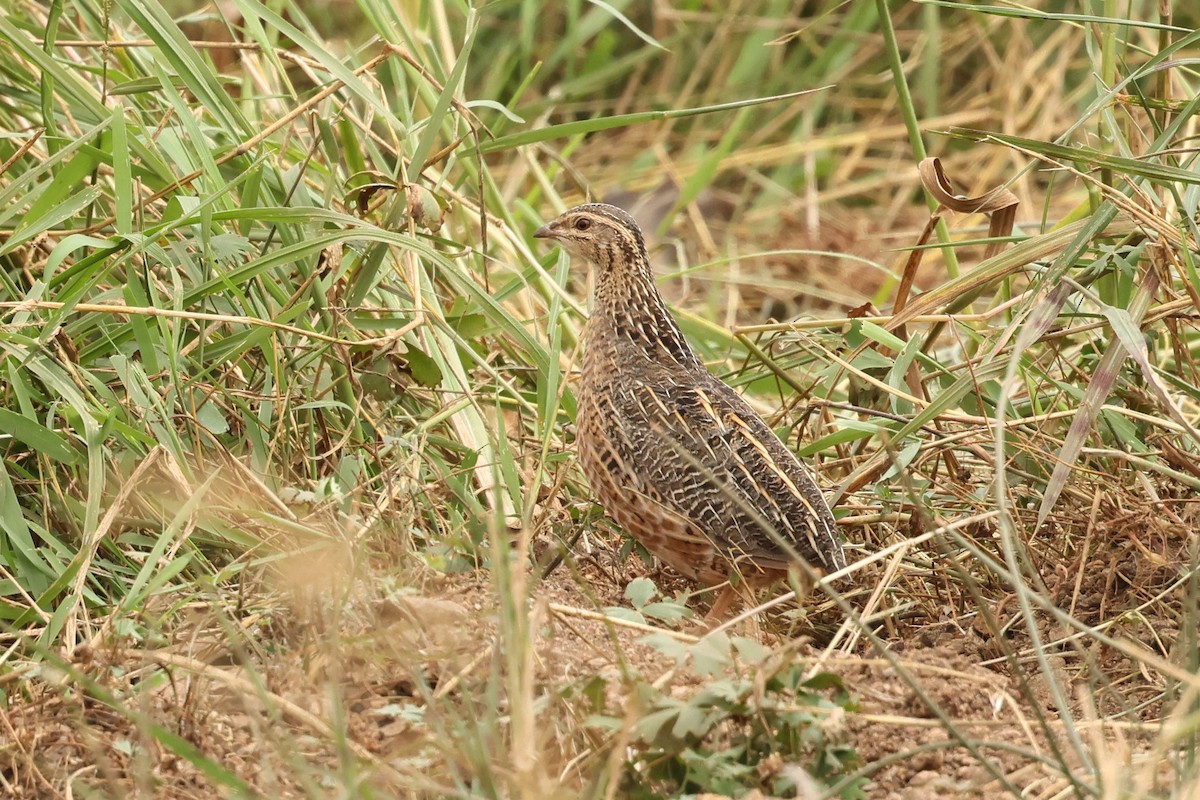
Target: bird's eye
{"x": 582, "y": 224}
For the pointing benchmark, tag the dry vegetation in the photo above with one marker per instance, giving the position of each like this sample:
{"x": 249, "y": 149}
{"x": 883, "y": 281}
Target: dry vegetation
{"x": 288, "y": 505}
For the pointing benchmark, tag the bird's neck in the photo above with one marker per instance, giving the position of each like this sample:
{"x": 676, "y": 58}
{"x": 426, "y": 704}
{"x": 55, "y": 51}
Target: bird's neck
{"x": 630, "y": 317}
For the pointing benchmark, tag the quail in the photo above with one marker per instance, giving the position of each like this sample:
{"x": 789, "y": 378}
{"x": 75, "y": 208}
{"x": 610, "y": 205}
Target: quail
{"x": 676, "y": 457}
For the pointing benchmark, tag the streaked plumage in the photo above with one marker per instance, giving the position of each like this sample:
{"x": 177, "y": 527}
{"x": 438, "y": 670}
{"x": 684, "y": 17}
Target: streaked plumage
{"x": 676, "y": 457}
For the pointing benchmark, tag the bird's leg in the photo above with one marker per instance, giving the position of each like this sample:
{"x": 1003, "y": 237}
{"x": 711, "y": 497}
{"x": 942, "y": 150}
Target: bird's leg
{"x": 719, "y": 611}
{"x": 725, "y": 602}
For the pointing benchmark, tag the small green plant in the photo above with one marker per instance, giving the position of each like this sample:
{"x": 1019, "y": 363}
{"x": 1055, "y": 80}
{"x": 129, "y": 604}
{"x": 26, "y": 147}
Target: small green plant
{"x": 763, "y": 721}
{"x": 641, "y": 593}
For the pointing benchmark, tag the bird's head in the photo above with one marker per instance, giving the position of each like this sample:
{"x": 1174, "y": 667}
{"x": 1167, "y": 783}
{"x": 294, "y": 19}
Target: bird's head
{"x": 601, "y": 233}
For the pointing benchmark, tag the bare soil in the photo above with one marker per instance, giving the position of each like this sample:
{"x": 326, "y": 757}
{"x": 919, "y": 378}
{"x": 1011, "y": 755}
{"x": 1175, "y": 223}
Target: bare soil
{"x": 308, "y": 691}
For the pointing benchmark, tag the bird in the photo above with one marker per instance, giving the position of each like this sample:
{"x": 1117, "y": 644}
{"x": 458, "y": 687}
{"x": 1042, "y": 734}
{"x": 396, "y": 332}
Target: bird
{"x": 674, "y": 455}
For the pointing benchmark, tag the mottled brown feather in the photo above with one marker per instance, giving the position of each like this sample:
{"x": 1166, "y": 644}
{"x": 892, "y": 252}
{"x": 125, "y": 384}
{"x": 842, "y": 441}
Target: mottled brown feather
{"x": 676, "y": 457}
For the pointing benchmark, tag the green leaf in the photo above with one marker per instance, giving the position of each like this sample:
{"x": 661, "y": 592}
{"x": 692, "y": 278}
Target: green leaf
{"x": 627, "y": 614}
{"x": 1145, "y": 168}
{"x": 17, "y": 547}
{"x": 875, "y": 333}
{"x": 603, "y": 722}
{"x": 640, "y": 591}
{"x": 211, "y": 417}
{"x": 652, "y": 727}
{"x": 423, "y": 369}
{"x": 37, "y": 436}
{"x": 668, "y": 645}
{"x": 849, "y": 430}
{"x": 624, "y": 20}
{"x": 433, "y": 126}
{"x": 469, "y": 326}
{"x": 667, "y": 611}
{"x": 752, "y": 651}
{"x": 903, "y": 458}
{"x": 692, "y": 723}
{"x": 579, "y": 127}
{"x": 824, "y": 680}
{"x": 500, "y": 107}
{"x": 230, "y": 246}
{"x": 64, "y": 208}
{"x": 712, "y": 654}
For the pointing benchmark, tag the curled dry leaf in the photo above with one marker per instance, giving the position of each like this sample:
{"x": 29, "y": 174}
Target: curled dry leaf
{"x": 999, "y": 204}
{"x": 425, "y": 207}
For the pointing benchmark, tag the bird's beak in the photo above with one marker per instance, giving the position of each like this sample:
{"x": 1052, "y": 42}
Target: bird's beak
{"x": 544, "y": 232}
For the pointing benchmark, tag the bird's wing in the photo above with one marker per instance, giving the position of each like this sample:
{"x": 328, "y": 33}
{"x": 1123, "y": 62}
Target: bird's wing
{"x": 704, "y": 454}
